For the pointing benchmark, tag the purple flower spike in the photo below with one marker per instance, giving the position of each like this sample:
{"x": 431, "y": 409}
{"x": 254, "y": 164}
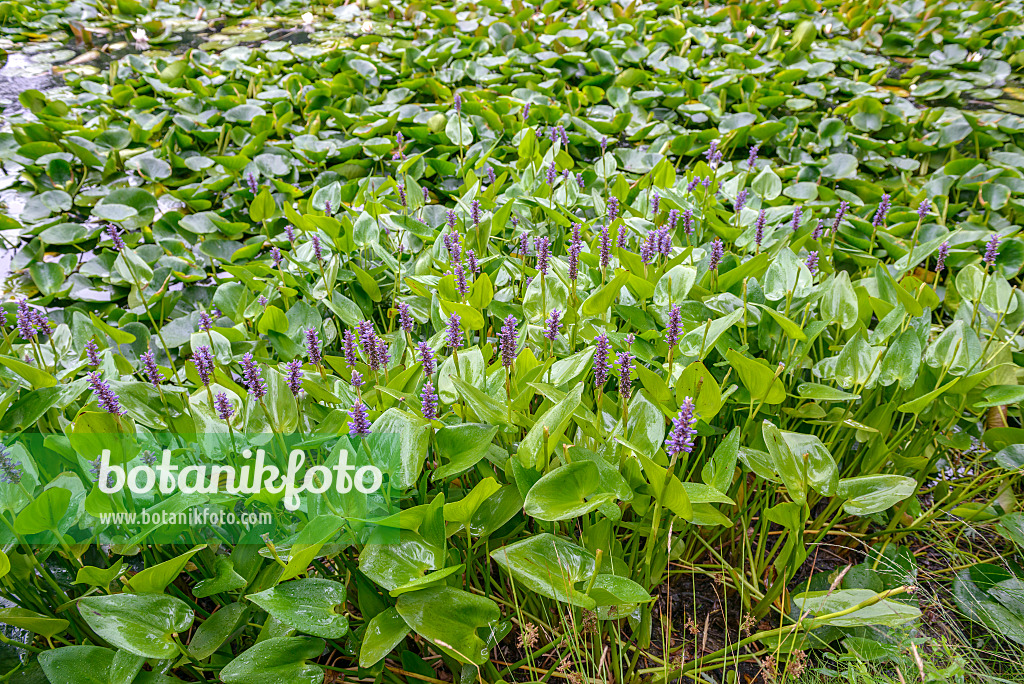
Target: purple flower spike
{"x": 675, "y": 326}
{"x": 224, "y": 407}
{"x": 665, "y": 241}
{"x": 625, "y": 361}
{"x": 741, "y": 200}
{"x": 382, "y": 356}
{"x": 294, "y": 376}
{"x": 115, "y": 237}
{"x": 451, "y": 218}
{"x": 289, "y": 232}
{"x": 253, "y": 187}
{"x": 460, "y": 279}
{"x": 923, "y": 208}
{"x": 202, "y": 358}
{"x": 655, "y": 204}
{"x": 358, "y": 423}
{"x": 405, "y": 317}
{"x": 688, "y": 222}
{"x": 543, "y": 247}
{"x": 11, "y": 471}
{"x": 601, "y": 360}
{"x": 313, "y": 347}
{"x": 367, "y": 338}
{"x": 613, "y": 208}
{"x": 819, "y": 230}
{"x": 812, "y": 262}
{"x": 428, "y": 400}
{"x": 717, "y": 252}
{"x": 604, "y": 145}
{"x": 205, "y": 322}
{"x": 426, "y": 196}
{"x": 356, "y": 379}
{"x": 92, "y": 353}
{"x": 453, "y": 244}
{"x": 647, "y": 248}
{"x": 552, "y": 172}
{"x": 401, "y": 195}
{"x": 798, "y": 214}
{"x": 759, "y": 225}
{"x": 713, "y": 155}
{"x": 427, "y": 358}
{"x": 275, "y": 254}
{"x": 526, "y": 111}
{"x": 149, "y": 364}
{"x": 475, "y": 213}
{"x": 673, "y": 219}
{"x": 26, "y": 321}
{"x": 524, "y": 244}
{"x": 453, "y": 338}
{"x": 940, "y": 260}
{"x": 252, "y": 375}
{"x": 458, "y": 104}
{"x": 580, "y": 182}
{"x": 507, "y": 341}
{"x": 884, "y": 204}
{"x": 105, "y": 396}
{"x": 553, "y": 324}
{"x": 991, "y": 250}
{"x": 349, "y": 349}
{"x": 318, "y": 249}
{"x": 844, "y": 206}
{"x": 564, "y": 136}
{"x": 680, "y": 438}
{"x": 474, "y": 265}
{"x": 606, "y": 247}
{"x": 752, "y": 157}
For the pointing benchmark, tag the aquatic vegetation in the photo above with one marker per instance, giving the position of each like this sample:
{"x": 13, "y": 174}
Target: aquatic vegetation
{"x": 576, "y": 302}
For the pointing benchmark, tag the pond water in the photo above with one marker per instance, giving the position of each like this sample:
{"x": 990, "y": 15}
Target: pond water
{"x": 41, "y": 65}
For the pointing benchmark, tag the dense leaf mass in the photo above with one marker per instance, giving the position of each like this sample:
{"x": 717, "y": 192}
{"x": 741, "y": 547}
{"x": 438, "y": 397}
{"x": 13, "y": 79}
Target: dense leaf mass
{"x": 609, "y": 295}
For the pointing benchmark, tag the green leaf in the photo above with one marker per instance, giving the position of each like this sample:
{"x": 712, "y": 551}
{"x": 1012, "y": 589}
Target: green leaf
{"x": 459, "y": 132}
{"x": 463, "y": 510}
{"x": 309, "y": 605}
{"x": 142, "y": 624}
{"x": 839, "y": 302}
{"x": 78, "y": 664}
{"x": 34, "y": 622}
{"x": 44, "y": 512}
{"x": 566, "y": 492}
{"x": 787, "y": 465}
{"x": 35, "y": 376}
{"x": 263, "y": 206}
{"x": 450, "y": 618}
{"x": 884, "y": 612}
{"x": 550, "y": 566}
{"x": 383, "y": 633}
{"x": 767, "y": 184}
{"x": 154, "y": 579}
{"x": 555, "y": 420}
{"x": 215, "y": 630}
{"x": 225, "y": 579}
{"x": 279, "y": 659}
{"x": 758, "y": 377}
{"x": 461, "y": 447}
{"x": 874, "y": 493}
{"x": 599, "y": 301}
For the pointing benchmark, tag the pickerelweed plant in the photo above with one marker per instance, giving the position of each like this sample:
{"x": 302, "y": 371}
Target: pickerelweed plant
{"x": 614, "y": 299}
